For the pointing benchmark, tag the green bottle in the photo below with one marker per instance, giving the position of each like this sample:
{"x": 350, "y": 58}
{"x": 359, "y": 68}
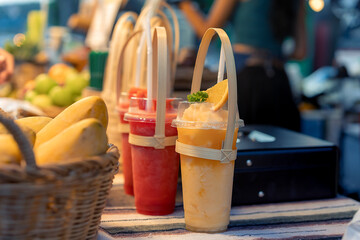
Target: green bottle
{"x": 97, "y": 63}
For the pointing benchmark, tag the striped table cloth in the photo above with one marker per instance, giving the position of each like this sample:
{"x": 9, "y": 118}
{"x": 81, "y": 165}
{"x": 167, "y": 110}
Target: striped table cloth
{"x": 314, "y": 219}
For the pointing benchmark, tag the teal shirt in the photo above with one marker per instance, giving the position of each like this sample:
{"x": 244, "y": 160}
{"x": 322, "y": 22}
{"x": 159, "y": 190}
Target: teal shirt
{"x": 251, "y": 26}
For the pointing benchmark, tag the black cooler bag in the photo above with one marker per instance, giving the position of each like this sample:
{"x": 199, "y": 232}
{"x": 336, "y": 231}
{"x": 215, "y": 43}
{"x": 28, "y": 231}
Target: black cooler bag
{"x": 275, "y": 165}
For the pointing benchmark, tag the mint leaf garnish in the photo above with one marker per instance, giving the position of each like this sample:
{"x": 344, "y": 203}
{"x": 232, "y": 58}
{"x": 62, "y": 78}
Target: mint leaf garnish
{"x": 199, "y": 96}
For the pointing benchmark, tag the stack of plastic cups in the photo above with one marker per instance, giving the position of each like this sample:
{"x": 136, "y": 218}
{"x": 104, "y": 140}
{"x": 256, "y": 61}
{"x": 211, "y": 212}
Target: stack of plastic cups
{"x": 207, "y": 147}
{"x": 155, "y": 163}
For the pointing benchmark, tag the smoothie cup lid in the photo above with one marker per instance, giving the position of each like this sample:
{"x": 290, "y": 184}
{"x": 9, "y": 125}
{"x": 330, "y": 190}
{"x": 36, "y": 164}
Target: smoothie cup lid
{"x": 123, "y": 102}
{"x": 196, "y": 115}
{"x": 137, "y": 111}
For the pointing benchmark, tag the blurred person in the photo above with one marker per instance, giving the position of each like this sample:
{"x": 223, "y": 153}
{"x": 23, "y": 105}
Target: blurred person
{"x": 257, "y": 29}
{"x": 6, "y": 65}
{"x": 82, "y": 19}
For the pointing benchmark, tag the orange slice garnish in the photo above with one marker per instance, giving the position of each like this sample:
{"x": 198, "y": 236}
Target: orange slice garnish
{"x": 218, "y": 94}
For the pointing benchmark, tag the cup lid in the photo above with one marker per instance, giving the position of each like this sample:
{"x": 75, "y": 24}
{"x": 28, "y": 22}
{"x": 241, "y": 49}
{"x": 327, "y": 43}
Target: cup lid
{"x": 200, "y": 116}
{"x": 138, "y": 109}
{"x": 124, "y": 102}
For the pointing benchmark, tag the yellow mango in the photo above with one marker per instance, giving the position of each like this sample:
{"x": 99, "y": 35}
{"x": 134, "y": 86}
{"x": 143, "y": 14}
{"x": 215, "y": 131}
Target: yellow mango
{"x": 84, "y": 138}
{"x": 89, "y": 107}
{"x": 29, "y": 133}
{"x": 34, "y": 123}
{"x": 9, "y": 150}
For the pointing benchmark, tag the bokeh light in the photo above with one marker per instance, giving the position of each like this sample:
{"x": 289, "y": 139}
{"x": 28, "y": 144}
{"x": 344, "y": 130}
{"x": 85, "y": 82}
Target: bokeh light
{"x": 19, "y": 39}
{"x": 316, "y": 5}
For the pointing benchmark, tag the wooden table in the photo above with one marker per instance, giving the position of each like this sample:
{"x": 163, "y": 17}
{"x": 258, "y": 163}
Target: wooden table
{"x": 314, "y": 219}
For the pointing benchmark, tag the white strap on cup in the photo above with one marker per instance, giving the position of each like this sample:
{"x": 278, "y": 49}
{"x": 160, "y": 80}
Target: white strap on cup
{"x": 222, "y": 155}
{"x": 155, "y": 142}
{"x": 226, "y": 153}
{"x": 158, "y": 141}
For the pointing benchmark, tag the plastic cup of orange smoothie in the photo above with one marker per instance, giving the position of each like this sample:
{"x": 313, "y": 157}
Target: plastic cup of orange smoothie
{"x": 155, "y": 171}
{"x": 207, "y": 184}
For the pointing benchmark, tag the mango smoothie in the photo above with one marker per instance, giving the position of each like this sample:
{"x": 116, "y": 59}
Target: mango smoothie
{"x": 207, "y": 184}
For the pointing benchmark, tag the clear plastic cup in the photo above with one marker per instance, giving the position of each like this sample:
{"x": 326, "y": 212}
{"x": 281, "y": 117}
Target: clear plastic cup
{"x": 155, "y": 171}
{"x": 207, "y": 184}
{"x": 125, "y": 146}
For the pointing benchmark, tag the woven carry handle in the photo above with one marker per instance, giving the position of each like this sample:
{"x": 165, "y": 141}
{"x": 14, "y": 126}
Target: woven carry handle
{"x": 226, "y": 153}
{"x": 120, "y": 36}
{"x": 161, "y": 20}
{"x": 20, "y": 138}
{"x": 175, "y": 52}
{"x": 123, "y": 127}
{"x": 160, "y": 58}
{"x": 120, "y": 68}
{"x": 231, "y": 74}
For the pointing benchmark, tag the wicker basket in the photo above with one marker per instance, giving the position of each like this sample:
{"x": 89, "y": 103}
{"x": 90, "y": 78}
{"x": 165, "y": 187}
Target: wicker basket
{"x": 53, "y": 202}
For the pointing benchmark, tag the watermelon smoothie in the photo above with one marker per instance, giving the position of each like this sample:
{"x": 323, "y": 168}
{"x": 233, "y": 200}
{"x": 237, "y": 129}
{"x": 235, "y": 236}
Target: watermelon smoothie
{"x": 123, "y": 108}
{"x": 155, "y": 171}
{"x": 126, "y": 153}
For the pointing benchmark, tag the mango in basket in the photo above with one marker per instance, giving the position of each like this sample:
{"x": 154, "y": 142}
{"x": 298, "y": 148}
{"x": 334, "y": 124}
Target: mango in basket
{"x": 34, "y": 123}
{"x": 89, "y": 107}
{"x": 29, "y": 133}
{"x": 9, "y": 150}
{"x": 82, "y": 139}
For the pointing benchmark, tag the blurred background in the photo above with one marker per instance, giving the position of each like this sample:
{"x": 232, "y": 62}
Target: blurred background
{"x": 326, "y": 84}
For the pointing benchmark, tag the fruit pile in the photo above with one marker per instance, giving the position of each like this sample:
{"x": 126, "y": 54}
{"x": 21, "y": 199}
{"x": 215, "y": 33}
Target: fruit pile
{"x": 77, "y": 132}
{"x": 61, "y": 86}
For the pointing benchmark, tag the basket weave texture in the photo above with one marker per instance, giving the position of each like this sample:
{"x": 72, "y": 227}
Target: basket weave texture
{"x": 63, "y": 201}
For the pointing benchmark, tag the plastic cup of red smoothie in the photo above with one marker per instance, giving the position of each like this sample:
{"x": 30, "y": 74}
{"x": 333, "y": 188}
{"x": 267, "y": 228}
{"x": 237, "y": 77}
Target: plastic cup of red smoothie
{"x": 155, "y": 171}
{"x": 125, "y": 146}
